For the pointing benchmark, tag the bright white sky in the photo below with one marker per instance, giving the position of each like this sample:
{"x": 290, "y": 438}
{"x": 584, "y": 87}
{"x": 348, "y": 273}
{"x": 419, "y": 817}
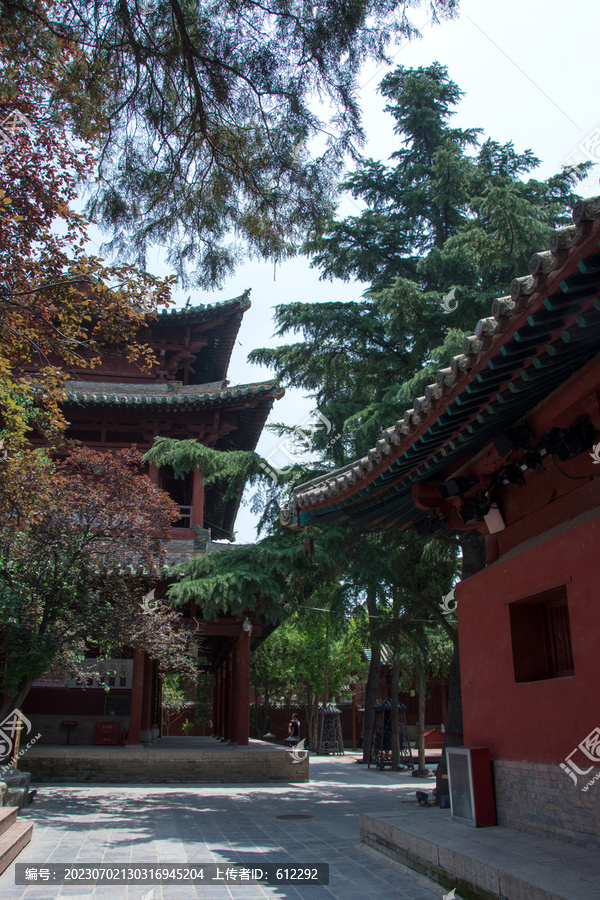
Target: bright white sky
{"x": 529, "y": 71}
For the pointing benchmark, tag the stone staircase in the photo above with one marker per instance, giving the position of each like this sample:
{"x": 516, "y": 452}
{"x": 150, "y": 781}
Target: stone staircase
{"x": 14, "y": 835}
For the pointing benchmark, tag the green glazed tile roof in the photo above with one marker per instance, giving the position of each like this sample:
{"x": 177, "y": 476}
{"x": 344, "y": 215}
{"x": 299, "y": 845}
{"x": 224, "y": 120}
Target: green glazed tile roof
{"x": 204, "y": 311}
{"x": 99, "y": 393}
{"x": 540, "y": 335}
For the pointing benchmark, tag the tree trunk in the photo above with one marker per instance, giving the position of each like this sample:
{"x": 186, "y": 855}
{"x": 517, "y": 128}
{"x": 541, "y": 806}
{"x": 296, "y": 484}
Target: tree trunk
{"x": 14, "y": 703}
{"x": 395, "y": 720}
{"x": 309, "y": 718}
{"x": 265, "y": 714}
{"x": 314, "y": 740}
{"x": 422, "y": 694}
{"x": 16, "y": 700}
{"x": 312, "y": 720}
{"x": 473, "y": 549}
{"x": 370, "y": 700}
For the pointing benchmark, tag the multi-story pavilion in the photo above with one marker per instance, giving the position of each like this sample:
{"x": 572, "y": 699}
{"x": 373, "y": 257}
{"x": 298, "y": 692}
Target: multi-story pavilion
{"x": 506, "y": 441}
{"x": 185, "y": 395}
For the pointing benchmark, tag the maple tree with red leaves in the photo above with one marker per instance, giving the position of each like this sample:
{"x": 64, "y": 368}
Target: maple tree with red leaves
{"x": 59, "y": 304}
{"x": 76, "y": 562}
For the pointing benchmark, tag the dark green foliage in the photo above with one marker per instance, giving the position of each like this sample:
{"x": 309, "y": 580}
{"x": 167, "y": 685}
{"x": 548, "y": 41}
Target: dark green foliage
{"x": 448, "y": 211}
{"x": 234, "y": 468}
{"x": 202, "y": 112}
{"x": 447, "y": 216}
{"x": 274, "y": 573}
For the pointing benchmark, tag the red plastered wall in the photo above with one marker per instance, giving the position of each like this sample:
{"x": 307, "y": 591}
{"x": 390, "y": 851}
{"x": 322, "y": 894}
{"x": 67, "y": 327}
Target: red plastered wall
{"x": 538, "y": 721}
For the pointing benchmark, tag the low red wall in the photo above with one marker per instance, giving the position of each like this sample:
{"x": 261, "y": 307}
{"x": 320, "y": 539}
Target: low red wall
{"x": 435, "y": 714}
{"x": 537, "y": 721}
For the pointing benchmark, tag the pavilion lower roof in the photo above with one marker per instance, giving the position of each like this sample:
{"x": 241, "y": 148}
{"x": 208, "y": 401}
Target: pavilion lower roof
{"x": 539, "y": 336}
{"x": 251, "y": 404}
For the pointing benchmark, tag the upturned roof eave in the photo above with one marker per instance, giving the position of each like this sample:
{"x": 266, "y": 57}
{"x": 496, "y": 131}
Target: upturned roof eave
{"x": 203, "y": 310}
{"x": 569, "y": 247}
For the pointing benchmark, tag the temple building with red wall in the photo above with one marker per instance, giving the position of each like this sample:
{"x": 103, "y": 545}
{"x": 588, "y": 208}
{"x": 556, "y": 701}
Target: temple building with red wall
{"x": 506, "y": 442}
{"x": 185, "y": 395}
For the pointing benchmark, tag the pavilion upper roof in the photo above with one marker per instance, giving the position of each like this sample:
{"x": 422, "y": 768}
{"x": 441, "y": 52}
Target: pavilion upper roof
{"x": 201, "y": 337}
{"x": 544, "y": 332}
{"x": 205, "y": 311}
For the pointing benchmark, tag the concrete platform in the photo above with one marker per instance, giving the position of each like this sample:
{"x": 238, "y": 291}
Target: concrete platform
{"x": 482, "y": 863}
{"x": 169, "y": 760}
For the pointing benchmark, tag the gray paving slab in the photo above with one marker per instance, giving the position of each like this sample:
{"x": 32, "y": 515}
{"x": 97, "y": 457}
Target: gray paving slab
{"x": 228, "y": 825}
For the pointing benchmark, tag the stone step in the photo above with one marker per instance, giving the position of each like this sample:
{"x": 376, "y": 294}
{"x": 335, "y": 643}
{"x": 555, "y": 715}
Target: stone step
{"x": 8, "y": 817}
{"x": 483, "y": 863}
{"x": 13, "y": 840}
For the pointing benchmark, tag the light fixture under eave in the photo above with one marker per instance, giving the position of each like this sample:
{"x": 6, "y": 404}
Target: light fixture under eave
{"x": 494, "y": 521}
{"x": 247, "y": 625}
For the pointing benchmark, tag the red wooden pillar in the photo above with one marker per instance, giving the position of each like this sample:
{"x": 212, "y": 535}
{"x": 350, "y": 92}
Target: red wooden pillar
{"x": 235, "y": 670}
{"x": 137, "y": 691}
{"x": 222, "y": 701}
{"x": 160, "y": 706}
{"x": 242, "y": 690}
{"x": 197, "y": 499}
{"x": 230, "y": 697}
{"x": 146, "y": 732}
{"x": 228, "y": 692}
{"x": 444, "y": 693}
{"x": 215, "y": 702}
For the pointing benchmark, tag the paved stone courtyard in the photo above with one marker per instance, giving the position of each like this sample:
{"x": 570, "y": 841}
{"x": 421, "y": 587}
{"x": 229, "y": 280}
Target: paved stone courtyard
{"x": 233, "y": 826}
